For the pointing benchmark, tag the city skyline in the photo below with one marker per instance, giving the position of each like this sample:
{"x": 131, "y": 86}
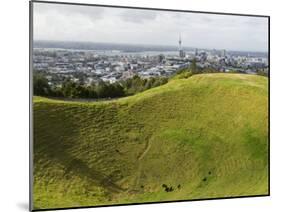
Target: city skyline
{"x": 59, "y": 22}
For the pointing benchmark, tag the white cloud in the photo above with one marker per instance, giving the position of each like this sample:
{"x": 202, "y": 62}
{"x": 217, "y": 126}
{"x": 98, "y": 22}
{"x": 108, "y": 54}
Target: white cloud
{"x": 104, "y": 24}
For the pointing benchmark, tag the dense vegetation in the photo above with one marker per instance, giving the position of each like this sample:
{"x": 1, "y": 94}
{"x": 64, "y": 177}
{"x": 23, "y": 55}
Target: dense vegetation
{"x": 71, "y": 89}
{"x": 199, "y": 136}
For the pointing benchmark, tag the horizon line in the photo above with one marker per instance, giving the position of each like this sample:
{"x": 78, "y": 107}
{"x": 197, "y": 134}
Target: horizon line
{"x": 155, "y": 45}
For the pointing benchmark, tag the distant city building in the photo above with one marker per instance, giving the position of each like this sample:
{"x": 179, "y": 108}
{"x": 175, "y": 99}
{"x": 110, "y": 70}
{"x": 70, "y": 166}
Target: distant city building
{"x": 91, "y": 66}
{"x": 223, "y": 53}
{"x": 161, "y": 58}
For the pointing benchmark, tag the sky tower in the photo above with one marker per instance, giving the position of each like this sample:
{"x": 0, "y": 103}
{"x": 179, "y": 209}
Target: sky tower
{"x": 180, "y": 42}
{"x": 181, "y": 52}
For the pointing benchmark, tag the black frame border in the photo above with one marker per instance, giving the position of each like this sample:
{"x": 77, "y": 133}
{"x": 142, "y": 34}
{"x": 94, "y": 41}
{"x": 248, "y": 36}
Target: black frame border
{"x": 140, "y": 8}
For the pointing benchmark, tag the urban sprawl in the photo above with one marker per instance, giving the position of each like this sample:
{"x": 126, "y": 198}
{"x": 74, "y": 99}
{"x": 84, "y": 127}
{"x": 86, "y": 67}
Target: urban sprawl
{"x": 90, "y": 66}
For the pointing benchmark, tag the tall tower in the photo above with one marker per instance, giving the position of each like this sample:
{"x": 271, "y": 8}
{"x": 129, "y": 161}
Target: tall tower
{"x": 180, "y": 43}
{"x": 181, "y": 52}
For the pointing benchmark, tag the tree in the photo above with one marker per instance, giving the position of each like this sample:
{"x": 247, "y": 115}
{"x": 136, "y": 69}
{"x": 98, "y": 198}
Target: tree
{"x": 137, "y": 84}
{"x": 160, "y": 81}
{"x": 71, "y": 89}
{"x": 193, "y": 67}
{"x": 149, "y": 83}
{"x": 118, "y": 90}
{"x": 102, "y": 90}
{"x": 92, "y": 91}
{"x": 41, "y": 86}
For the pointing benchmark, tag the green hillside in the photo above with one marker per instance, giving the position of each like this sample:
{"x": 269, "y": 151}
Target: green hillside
{"x": 201, "y": 137}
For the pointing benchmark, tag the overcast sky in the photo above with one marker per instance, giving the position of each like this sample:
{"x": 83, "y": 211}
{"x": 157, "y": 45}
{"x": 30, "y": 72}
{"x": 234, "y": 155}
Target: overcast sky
{"x": 131, "y": 26}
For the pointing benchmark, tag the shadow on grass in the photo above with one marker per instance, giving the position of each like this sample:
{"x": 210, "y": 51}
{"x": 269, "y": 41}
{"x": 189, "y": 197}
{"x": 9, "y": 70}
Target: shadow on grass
{"x": 56, "y": 149}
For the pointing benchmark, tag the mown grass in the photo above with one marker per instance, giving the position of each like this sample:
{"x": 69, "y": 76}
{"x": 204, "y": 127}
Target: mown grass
{"x": 205, "y": 136}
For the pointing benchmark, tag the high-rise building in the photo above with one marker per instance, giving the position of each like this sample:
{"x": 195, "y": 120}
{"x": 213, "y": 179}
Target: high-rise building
{"x": 223, "y": 54}
{"x": 196, "y": 52}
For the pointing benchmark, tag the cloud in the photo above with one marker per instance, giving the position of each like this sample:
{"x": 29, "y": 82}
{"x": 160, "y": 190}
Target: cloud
{"x": 70, "y": 11}
{"x": 138, "y": 16}
{"x": 137, "y": 26}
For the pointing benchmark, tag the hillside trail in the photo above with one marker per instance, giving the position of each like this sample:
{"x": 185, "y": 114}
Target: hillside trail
{"x": 146, "y": 149}
{"x": 139, "y": 166}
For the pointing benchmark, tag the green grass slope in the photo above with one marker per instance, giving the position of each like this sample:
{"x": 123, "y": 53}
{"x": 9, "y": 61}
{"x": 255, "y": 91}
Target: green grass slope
{"x": 201, "y": 137}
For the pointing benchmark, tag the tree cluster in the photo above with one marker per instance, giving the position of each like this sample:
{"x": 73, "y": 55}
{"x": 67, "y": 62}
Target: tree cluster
{"x": 101, "y": 89}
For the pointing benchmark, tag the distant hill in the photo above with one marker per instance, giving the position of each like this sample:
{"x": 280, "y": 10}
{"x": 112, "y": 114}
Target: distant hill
{"x": 201, "y": 137}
